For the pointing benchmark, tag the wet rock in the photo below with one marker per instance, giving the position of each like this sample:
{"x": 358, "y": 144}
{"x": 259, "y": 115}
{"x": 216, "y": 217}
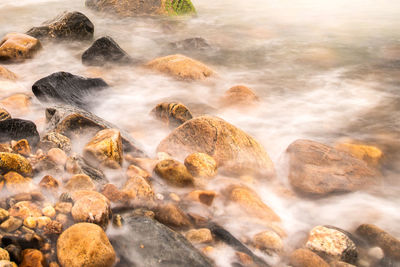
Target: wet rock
{"x": 32, "y": 258}
{"x": 68, "y": 26}
{"x": 54, "y": 228}
{"x": 58, "y": 156}
{"x": 112, "y": 192}
{"x": 91, "y": 206}
{"x": 317, "y": 169}
{"x": 49, "y": 211}
{"x": 17, "y": 104}
{"x": 239, "y": 96}
{"x": 43, "y": 163}
{"x": 6, "y": 74}
{"x": 154, "y": 244}
{"x": 64, "y": 87}
{"x": 21, "y": 147}
{"x": 376, "y": 236}
{"x": 76, "y": 165}
{"x": 49, "y": 182}
{"x": 268, "y": 240}
{"x": 17, "y": 129}
{"x": 105, "y": 149}
{"x": 18, "y": 47}
{"x": 332, "y": 243}
{"x": 250, "y": 202}
{"x": 85, "y": 244}
{"x": 196, "y": 43}
{"x": 174, "y": 172}
{"x": 172, "y": 114}
{"x": 370, "y": 154}
{"x": 16, "y": 183}
{"x": 134, "y": 171}
{"x": 199, "y": 236}
{"x": 4, "y": 254}
{"x": 11, "y": 224}
{"x": 202, "y": 196}
{"x": 42, "y": 221}
{"x": 4, "y": 115}
{"x": 74, "y": 122}
{"x": 3, "y": 215}
{"x": 201, "y": 165}
{"x": 138, "y": 188}
{"x": 181, "y": 67}
{"x": 80, "y": 182}
{"x": 172, "y": 215}
{"x": 138, "y": 8}
{"x": 56, "y": 140}
{"x": 306, "y": 258}
{"x": 105, "y": 50}
{"x": 6, "y": 263}
{"x": 24, "y": 209}
{"x": 63, "y": 207}
{"x": 30, "y": 222}
{"x": 235, "y": 152}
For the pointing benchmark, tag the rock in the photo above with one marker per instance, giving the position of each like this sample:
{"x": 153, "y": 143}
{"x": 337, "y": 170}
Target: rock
{"x": 172, "y": 215}
{"x": 80, "y": 182}
{"x": 49, "y": 211}
{"x": 154, "y": 244}
{"x": 376, "y": 236}
{"x": 196, "y": 43}
{"x": 85, "y": 244}
{"x": 332, "y": 243}
{"x": 3, "y": 215}
{"x": 172, "y": 114}
{"x": 16, "y": 183}
{"x": 105, "y": 50}
{"x": 174, "y": 172}
{"x": 6, "y": 74}
{"x": 15, "y": 252}
{"x": 306, "y": 258}
{"x": 30, "y": 222}
{"x": 4, "y": 115}
{"x": 42, "y": 221}
{"x": 64, "y": 87}
{"x": 17, "y": 129}
{"x": 67, "y": 26}
{"x": 268, "y": 240}
{"x": 56, "y": 140}
{"x": 18, "y": 47}
{"x": 43, "y": 163}
{"x": 250, "y": 202}
{"x": 6, "y": 263}
{"x": 4, "y": 254}
{"x": 58, "y": 156}
{"x": 138, "y": 8}
{"x": 317, "y": 169}
{"x": 17, "y": 104}
{"x": 105, "y": 149}
{"x": 235, "y": 152}
{"x": 112, "y": 192}
{"x": 239, "y": 96}
{"x": 181, "y": 67}
{"x": 11, "y": 224}
{"x": 49, "y": 182}
{"x": 202, "y": 196}
{"x": 76, "y": 165}
{"x": 74, "y": 122}
{"x": 32, "y": 258}
{"x": 370, "y": 154}
{"x": 201, "y": 165}
{"x": 21, "y": 147}
{"x": 134, "y": 171}
{"x": 199, "y": 236}
{"x": 24, "y": 209}
{"x": 53, "y": 228}
{"x": 91, "y": 206}
{"x": 138, "y": 188}
{"x": 63, "y": 207}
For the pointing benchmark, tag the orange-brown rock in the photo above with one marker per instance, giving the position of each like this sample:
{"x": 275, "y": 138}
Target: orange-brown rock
{"x": 306, "y": 258}
{"x": 16, "y": 183}
{"x": 112, "y": 192}
{"x": 203, "y": 196}
{"x": 268, "y": 240}
{"x": 6, "y": 74}
{"x": 174, "y": 172}
{"x": 80, "y": 182}
{"x": 134, "y": 171}
{"x": 24, "y": 209}
{"x": 4, "y": 255}
{"x": 138, "y": 188}
{"x": 172, "y": 215}
{"x": 250, "y": 202}
{"x": 63, "y": 207}
{"x": 14, "y": 162}
{"x": 21, "y": 147}
{"x": 32, "y": 258}
{"x": 181, "y": 67}
{"x": 245, "y": 259}
{"x": 199, "y": 236}
{"x": 11, "y": 224}
{"x": 146, "y": 164}
{"x": 17, "y": 103}
{"x": 201, "y": 165}
{"x": 18, "y": 47}
{"x": 318, "y": 169}
{"x": 105, "y": 149}
{"x": 370, "y": 154}
{"x": 239, "y": 96}
{"x": 85, "y": 244}
{"x": 235, "y": 152}
{"x": 172, "y": 114}
{"x": 58, "y": 156}
{"x": 49, "y": 182}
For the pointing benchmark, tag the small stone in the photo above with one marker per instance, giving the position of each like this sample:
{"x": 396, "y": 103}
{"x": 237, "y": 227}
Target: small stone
{"x": 49, "y": 211}
{"x": 202, "y": 196}
{"x": 49, "y": 183}
{"x": 18, "y": 46}
{"x": 306, "y": 258}
{"x": 244, "y": 258}
{"x": 134, "y": 171}
{"x": 376, "y": 253}
{"x": 4, "y": 115}
{"x": 11, "y": 224}
{"x": 4, "y": 254}
{"x": 30, "y": 222}
{"x": 32, "y": 258}
{"x": 14, "y": 162}
{"x": 21, "y": 147}
{"x": 57, "y": 140}
{"x": 174, "y": 172}
{"x": 63, "y": 207}
{"x": 42, "y": 221}
{"x": 53, "y": 228}
{"x": 24, "y": 209}
{"x": 17, "y": 104}
{"x": 199, "y": 236}
{"x": 63, "y": 219}
{"x": 201, "y": 165}
{"x": 80, "y": 182}
{"x": 239, "y": 96}
{"x": 268, "y": 240}
{"x": 6, "y": 74}
{"x": 16, "y": 183}
{"x": 3, "y": 215}
{"x": 172, "y": 114}
{"x": 138, "y": 188}
{"x": 58, "y": 156}
{"x": 172, "y": 215}
{"x": 112, "y": 192}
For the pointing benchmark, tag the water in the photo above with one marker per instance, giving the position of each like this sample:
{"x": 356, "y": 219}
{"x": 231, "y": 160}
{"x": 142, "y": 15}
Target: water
{"x": 324, "y": 70}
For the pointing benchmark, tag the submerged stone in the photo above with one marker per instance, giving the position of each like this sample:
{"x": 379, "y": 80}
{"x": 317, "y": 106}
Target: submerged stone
{"x": 172, "y": 114}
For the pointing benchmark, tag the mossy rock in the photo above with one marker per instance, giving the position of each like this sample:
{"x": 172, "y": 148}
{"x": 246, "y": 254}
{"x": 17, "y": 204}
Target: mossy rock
{"x": 179, "y": 7}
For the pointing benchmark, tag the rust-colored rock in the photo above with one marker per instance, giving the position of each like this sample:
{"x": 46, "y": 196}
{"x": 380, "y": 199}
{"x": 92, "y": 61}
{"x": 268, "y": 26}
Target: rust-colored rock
{"x": 85, "y": 244}
{"x": 21, "y": 147}
{"x": 239, "y": 96}
{"x": 172, "y": 215}
{"x": 16, "y": 183}
{"x": 235, "y": 152}
{"x": 306, "y": 258}
{"x": 58, "y": 156}
{"x": 18, "y": 47}
{"x": 268, "y": 240}
{"x": 14, "y": 162}
{"x": 203, "y": 196}
{"x": 181, "y": 67}
{"x": 24, "y": 209}
{"x": 80, "y": 182}
{"x": 49, "y": 182}
{"x": 32, "y": 258}
{"x": 6, "y": 74}
{"x": 174, "y": 172}
{"x": 112, "y": 192}
{"x": 318, "y": 169}
{"x": 17, "y": 104}
{"x": 199, "y": 236}
{"x": 172, "y": 114}
{"x": 201, "y": 165}
{"x": 138, "y": 188}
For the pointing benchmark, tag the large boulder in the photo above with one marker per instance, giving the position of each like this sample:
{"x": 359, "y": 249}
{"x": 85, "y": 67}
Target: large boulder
{"x": 17, "y": 129}
{"x": 14, "y": 162}
{"x": 317, "y": 169}
{"x": 181, "y": 67}
{"x": 105, "y": 50}
{"x": 64, "y": 87}
{"x": 235, "y": 152}
{"x": 172, "y": 114}
{"x": 74, "y": 122}
{"x": 71, "y": 26}
{"x": 154, "y": 244}
{"x": 85, "y": 244}
{"x": 131, "y": 8}
{"x": 18, "y": 47}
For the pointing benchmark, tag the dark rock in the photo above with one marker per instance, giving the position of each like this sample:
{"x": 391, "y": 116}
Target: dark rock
{"x": 196, "y": 43}
{"x": 153, "y": 244}
{"x": 64, "y": 87}
{"x": 14, "y": 252}
{"x": 172, "y": 114}
{"x": 66, "y": 26}
{"x": 17, "y": 129}
{"x": 103, "y": 50}
{"x": 4, "y": 115}
{"x": 75, "y": 122}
